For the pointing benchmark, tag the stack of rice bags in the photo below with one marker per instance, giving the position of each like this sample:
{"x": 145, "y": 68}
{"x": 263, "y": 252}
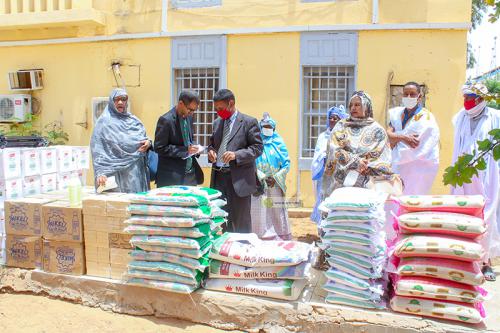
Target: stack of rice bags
{"x": 355, "y": 243}
{"x": 438, "y": 257}
{"x": 244, "y": 264}
{"x": 173, "y": 228}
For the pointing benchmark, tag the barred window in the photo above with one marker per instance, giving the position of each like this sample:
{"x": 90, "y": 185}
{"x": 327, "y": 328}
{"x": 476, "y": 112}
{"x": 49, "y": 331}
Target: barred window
{"x": 324, "y": 87}
{"x": 205, "y": 81}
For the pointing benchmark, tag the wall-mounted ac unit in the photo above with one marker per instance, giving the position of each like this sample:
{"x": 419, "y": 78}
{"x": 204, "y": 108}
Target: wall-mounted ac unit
{"x": 15, "y": 108}
{"x": 98, "y": 106}
{"x": 30, "y": 79}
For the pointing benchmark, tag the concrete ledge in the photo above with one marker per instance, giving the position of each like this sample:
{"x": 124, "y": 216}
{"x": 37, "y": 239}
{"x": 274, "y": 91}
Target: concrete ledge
{"x": 220, "y": 310}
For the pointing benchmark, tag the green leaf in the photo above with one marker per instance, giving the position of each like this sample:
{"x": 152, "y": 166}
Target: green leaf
{"x": 496, "y": 152}
{"x": 481, "y": 164}
{"x": 495, "y": 133}
{"x": 484, "y": 145}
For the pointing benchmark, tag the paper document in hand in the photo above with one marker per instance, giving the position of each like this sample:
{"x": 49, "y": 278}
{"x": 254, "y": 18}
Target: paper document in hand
{"x": 110, "y": 184}
{"x": 199, "y": 150}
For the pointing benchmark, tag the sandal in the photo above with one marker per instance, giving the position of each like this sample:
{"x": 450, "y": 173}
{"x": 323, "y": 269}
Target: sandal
{"x": 488, "y": 273}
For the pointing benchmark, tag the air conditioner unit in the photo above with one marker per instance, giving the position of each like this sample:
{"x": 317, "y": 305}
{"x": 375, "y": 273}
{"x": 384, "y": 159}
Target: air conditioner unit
{"x": 15, "y": 108}
{"x": 98, "y": 106}
{"x": 31, "y": 79}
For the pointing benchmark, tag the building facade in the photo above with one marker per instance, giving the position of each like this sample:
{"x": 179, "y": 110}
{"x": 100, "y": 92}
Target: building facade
{"x": 291, "y": 58}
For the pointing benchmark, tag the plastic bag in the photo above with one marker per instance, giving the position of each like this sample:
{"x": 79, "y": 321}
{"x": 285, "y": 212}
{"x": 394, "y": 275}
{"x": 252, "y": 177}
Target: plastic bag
{"x": 221, "y": 269}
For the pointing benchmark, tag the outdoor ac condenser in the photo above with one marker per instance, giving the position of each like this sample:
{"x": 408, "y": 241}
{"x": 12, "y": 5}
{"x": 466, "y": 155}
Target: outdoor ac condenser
{"x": 15, "y": 108}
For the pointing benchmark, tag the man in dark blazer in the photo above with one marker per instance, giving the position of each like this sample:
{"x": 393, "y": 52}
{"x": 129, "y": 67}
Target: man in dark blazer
{"x": 174, "y": 144}
{"x": 234, "y": 145}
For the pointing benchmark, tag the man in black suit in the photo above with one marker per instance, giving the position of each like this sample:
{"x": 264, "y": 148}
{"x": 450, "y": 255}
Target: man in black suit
{"x": 234, "y": 145}
{"x": 174, "y": 144}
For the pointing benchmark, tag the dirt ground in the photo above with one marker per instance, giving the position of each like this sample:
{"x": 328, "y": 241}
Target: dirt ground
{"x": 37, "y": 314}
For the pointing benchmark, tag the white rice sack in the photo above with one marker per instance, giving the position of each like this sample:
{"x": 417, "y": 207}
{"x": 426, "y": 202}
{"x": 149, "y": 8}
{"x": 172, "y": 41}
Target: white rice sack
{"x": 218, "y": 203}
{"x": 355, "y": 270}
{"x": 203, "y": 212}
{"x": 331, "y": 236}
{"x": 160, "y": 276}
{"x": 373, "y": 250}
{"x": 374, "y": 294}
{"x": 349, "y": 279}
{"x": 189, "y": 253}
{"x": 163, "y": 221}
{"x": 170, "y": 199}
{"x": 248, "y": 250}
{"x": 281, "y": 289}
{"x": 162, "y": 285}
{"x": 353, "y": 199}
{"x": 218, "y": 212}
{"x": 210, "y": 193}
{"x": 375, "y": 263}
{"x": 335, "y": 298}
{"x": 203, "y": 230}
{"x": 221, "y": 269}
{"x": 142, "y": 241}
{"x": 199, "y": 264}
{"x": 375, "y": 216}
{"x": 364, "y": 228}
{"x": 165, "y": 267}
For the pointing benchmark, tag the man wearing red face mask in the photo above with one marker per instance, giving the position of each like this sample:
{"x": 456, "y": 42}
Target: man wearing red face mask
{"x": 234, "y": 145}
{"x": 472, "y": 124}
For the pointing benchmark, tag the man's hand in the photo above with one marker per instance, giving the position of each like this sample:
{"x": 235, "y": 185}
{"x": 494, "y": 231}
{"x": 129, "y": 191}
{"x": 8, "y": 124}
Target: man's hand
{"x": 228, "y": 157}
{"x": 363, "y": 166}
{"x": 192, "y": 150}
{"x": 212, "y": 156}
{"x": 101, "y": 180}
{"x": 270, "y": 181}
{"x": 145, "y": 144}
{"x": 411, "y": 140}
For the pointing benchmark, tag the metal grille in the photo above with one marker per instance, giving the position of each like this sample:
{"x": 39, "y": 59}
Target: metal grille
{"x": 205, "y": 81}
{"x": 324, "y": 87}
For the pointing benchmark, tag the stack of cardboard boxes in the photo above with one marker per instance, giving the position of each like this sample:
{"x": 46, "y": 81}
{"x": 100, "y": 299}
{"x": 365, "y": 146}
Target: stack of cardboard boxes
{"x": 106, "y": 246}
{"x": 31, "y": 172}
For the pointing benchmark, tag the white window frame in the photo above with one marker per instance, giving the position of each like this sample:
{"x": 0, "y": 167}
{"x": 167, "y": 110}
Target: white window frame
{"x": 218, "y": 59}
{"x": 322, "y": 60}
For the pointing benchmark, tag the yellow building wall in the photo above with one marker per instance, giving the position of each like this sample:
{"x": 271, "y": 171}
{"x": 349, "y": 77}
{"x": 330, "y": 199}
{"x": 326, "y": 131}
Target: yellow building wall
{"x": 263, "y": 70}
{"x": 435, "y": 58}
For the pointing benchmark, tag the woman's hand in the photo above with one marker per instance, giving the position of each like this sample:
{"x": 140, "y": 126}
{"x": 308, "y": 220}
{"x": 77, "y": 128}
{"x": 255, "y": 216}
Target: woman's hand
{"x": 270, "y": 181}
{"x": 363, "y": 166}
{"x": 101, "y": 180}
{"x": 145, "y": 144}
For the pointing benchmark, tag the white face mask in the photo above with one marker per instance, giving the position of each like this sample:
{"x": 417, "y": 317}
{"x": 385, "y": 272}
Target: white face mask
{"x": 475, "y": 111}
{"x": 267, "y": 131}
{"x": 409, "y": 102}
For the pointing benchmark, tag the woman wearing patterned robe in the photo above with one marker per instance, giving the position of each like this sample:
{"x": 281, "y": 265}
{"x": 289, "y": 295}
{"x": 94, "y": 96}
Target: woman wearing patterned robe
{"x": 269, "y": 210}
{"x": 358, "y": 149}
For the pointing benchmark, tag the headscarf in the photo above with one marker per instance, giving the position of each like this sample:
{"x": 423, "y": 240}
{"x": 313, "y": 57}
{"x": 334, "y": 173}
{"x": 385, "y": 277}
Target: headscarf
{"x": 338, "y": 111}
{"x": 116, "y": 138}
{"x": 474, "y": 88}
{"x": 274, "y": 161}
{"x": 366, "y": 104}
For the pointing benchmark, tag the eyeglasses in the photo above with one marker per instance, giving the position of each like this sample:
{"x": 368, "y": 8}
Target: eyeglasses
{"x": 121, "y": 98}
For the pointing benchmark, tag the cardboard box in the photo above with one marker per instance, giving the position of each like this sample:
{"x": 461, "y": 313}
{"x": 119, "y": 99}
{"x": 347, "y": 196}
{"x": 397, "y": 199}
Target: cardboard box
{"x": 81, "y": 175}
{"x": 81, "y": 156}
{"x": 63, "y": 257}
{"x": 24, "y": 216}
{"x": 32, "y": 185}
{"x": 65, "y": 162}
{"x": 48, "y": 160}
{"x": 23, "y": 251}
{"x": 62, "y": 222}
{"x": 117, "y": 271}
{"x": 2, "y": 217}
{"x": 63, "y": 180}
{"x": 10, "y": 163}
{"x": 118, "y": 206}
{"x": 30, "y": 161}
{"x": 2, "y": 249}
{"x": 119, "y": 241}
{"x": 95, "y": 268}
{"x": 94, "y": 205}
{"x": 11, "y": 188}
{"x": 48, "y": 182}
{"x": 119, "y": 256}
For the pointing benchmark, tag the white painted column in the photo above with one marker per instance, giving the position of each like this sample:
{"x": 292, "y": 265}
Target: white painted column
{"x": 26, "y": 6}
{"x": 3, "y": 4}
{"x": 38, "y": 6}
{"x": 15, "y": 6}
{"x": 82, "y": 4}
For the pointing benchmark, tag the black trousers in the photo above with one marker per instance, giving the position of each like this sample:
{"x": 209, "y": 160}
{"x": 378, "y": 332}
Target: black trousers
{"x": 238, "y": 208}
